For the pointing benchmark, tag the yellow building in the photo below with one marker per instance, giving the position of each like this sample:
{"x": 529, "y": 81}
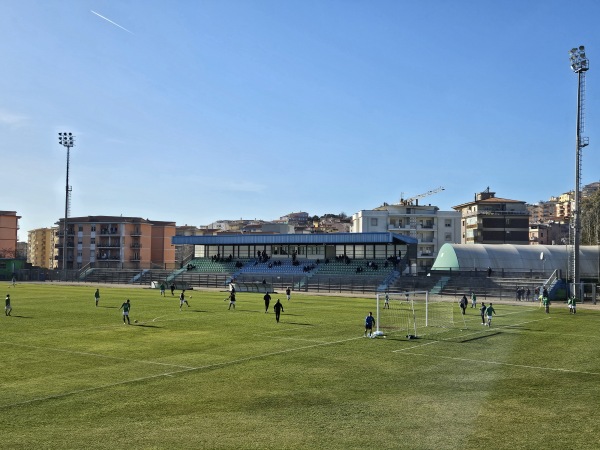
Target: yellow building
{"x": 41, "y": 247}
{"x": 116, "y": 242}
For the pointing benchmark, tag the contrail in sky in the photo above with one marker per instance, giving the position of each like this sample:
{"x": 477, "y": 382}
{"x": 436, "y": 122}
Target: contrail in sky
{"x": 108, "y": 20}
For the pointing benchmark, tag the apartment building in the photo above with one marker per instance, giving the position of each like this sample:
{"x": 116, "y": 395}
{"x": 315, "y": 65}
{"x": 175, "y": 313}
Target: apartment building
{"x": 551, "y": 233}
{"x": 116, "y": 242}
{"x": 9, "y": 226}
{"x": 492, "y": 220}
{"x": 42, "y": 250}
{"x": 543, "y": 211}
{"x": 431, "y": 227}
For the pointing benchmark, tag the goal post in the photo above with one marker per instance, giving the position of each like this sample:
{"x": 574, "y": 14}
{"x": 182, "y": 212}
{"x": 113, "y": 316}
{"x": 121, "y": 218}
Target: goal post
{"x": 410, "y": 312}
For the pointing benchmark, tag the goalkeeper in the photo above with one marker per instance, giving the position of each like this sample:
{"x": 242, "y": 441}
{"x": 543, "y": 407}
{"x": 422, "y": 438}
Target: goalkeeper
{"x": 369, "y": 322}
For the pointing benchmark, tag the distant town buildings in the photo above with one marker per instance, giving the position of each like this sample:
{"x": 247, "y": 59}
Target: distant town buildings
{"x": 129, "y": 242}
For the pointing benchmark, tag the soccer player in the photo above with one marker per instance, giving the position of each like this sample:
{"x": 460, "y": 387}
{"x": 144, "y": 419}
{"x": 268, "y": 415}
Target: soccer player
{"x": 97, "y": 296}
{"x": 126, "y": 307}
{"x": 489, "y": 311}
{"x": 267, "y": 299}
{"x": 482, "y": 312}
{"x": 572, "y": 305}
{"x": 162, "y": 289}
{"x": 231, "y": 300}
{"x": 288, "y": 293}
{"x": 182, "y": 300}
{"x": 172, "y": 289}
{"x": 546, "y": 302}
{"x": 278, "y": 310}
{"x": 473, "y": 300}
{"x": 369, "y": 322}
{"x": 463, "y": 304}
{"x": 386, "y": 303}
{"x": 7, "y": 307}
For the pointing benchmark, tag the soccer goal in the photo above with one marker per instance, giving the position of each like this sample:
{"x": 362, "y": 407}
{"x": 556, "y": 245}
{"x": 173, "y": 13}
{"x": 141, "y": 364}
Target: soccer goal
{"x": 409, "y": 313}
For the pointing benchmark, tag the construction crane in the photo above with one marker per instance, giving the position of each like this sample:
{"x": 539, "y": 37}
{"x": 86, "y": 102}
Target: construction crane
{"x": 409, "y": 201}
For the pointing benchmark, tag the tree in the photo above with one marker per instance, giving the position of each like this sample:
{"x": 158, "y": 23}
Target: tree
{"x": 590, "y": 219}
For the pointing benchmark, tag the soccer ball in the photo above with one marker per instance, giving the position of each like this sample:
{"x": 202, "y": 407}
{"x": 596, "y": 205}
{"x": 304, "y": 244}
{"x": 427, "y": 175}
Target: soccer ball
{"x": 135, "y": 321}
{"x": 190, "y": 296}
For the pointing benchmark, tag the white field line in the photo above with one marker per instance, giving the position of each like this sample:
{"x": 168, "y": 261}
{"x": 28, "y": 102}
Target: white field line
{"x": 522, "y": 366}
{"x": 485, "y": 330}
{"x": 286, "y": 338}
{"x": 95, "y": 355}
{"x": 170, "y": 374}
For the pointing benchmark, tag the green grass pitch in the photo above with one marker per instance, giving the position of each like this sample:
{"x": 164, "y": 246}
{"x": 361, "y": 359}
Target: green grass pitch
{"x": 74, "y": 377}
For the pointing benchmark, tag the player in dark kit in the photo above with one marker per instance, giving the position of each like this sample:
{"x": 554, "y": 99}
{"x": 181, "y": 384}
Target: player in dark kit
{"x": 231, "y": 300}
{"x": 182, "y": 300}
{"x": 278, "y": 310}
{"x": 7, "y": 307}
{"x": 482, "y": 312}
{"x": 369, "y": 322}
{"x": 267, "y": 298}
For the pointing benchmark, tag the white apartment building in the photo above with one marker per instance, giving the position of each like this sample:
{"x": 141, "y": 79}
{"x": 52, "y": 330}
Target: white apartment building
{"x": 430, "y": 226}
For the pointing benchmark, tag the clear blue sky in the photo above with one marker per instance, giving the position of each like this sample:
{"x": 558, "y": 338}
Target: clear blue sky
{"x": 195, "y": 111}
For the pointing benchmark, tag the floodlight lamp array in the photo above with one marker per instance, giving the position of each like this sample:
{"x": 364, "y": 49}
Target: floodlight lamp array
{"x": 579, "y": 61}
{"x": 66, "y": 139}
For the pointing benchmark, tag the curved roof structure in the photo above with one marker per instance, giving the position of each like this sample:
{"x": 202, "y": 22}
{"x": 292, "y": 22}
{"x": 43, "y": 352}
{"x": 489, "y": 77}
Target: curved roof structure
{"x": 515, "y": 258}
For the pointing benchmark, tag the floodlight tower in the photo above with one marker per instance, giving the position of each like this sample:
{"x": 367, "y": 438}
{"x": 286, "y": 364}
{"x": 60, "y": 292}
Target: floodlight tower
{"x": 67, "y": 140}
{"x": 580, "y": 64}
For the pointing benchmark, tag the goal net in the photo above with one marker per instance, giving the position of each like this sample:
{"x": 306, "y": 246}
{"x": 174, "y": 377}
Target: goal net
{"x": 410, "y": 313}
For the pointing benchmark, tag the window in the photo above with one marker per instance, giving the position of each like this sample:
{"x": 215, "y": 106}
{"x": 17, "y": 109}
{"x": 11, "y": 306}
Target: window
{"x": 93, "y": 241}
{"x": 373, "y": 221}
{"x": 447, "y": 223}
{"x": 448, "y": 237}
{"x": 93, "y": 228}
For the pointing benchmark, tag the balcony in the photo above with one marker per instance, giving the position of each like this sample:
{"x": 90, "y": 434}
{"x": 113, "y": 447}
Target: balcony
{"x": 135, "y": 245}
{"x": 108, "y": 244}
{"x": 109, "y": 230}
{"x": 496, "y": 213}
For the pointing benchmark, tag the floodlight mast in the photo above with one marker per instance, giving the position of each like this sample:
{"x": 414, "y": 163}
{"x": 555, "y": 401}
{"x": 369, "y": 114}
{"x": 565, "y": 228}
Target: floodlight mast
{"x": 67, "y": 140}
{"x": 580, "y": 64}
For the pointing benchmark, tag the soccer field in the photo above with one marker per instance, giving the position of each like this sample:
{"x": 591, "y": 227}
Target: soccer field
{"x": 74, "y": 376}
